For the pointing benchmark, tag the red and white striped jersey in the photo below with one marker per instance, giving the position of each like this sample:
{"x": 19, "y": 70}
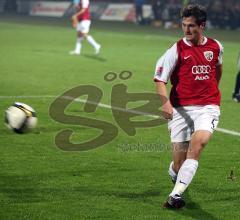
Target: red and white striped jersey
{"x": 192, "y": 72}
{"x": 86, "y": 13}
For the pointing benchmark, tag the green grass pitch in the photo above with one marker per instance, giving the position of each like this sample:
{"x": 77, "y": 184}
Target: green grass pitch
{"x": 120, "y": 180}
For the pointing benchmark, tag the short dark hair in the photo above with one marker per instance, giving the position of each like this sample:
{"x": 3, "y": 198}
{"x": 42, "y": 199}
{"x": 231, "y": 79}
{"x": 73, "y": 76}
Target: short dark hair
{"x": 197, "y": 11}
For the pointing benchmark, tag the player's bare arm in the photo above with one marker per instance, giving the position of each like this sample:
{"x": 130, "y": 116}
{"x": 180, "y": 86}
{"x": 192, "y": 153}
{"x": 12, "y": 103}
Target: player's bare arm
{"x": 218, "y": 73}
{"x": 75, "y": 17}
{"x": 167, "y": 109}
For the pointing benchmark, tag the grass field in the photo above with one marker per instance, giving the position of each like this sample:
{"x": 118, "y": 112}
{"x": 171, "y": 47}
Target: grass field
{"x": 126, "y": 178}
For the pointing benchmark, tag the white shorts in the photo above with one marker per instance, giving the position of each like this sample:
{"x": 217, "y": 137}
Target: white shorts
{"x": 188, "y": 119}
{"x": 83, "y": 26}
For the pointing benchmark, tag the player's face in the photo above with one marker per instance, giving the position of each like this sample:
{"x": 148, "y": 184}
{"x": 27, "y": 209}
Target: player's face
{"x": 191, "y": 30}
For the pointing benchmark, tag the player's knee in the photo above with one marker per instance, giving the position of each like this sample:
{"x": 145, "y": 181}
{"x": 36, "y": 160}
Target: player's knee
{"x": 201, "y": 143}
{"x": 80, "y": 34}
{"x": 200, "y": 139}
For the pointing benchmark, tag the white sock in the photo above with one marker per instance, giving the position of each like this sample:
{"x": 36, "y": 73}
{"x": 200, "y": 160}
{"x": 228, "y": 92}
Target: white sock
{"x": 79, "y": 44}
{"x": 185, "y": 176}
{"x": 92, "y": 41}
{"x": 171, "y": 172}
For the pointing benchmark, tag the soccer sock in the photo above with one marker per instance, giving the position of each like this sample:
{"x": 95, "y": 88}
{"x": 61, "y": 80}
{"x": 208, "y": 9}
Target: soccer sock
{"x": 185, "y": 175}
{"x": 92, "y": 41}
{"x": 237, "y": 85}
{"x": 79, "y": 44}
{"x": 171, "y": 172}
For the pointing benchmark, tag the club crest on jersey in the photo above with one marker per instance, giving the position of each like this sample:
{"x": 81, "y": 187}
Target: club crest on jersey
{"x": 208, "y": 55}
{"x": 159, "y": 70}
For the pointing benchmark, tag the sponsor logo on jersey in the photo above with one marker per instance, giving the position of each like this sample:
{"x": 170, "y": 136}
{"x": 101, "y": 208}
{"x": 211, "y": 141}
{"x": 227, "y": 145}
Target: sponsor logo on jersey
{"x": 205, "y": 77}
{"x": 201, "y": 69}
{"x": 201, "y": 72}
{"x": 208, "y": 55}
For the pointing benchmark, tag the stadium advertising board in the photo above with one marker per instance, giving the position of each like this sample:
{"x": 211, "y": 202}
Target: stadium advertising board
{"x": 118, "y": 12}
{"x": 2, "y": 3}
{"x": 147, "y": 11}
{"x": 97, "y": 9}
{"x": 51, "y": 9}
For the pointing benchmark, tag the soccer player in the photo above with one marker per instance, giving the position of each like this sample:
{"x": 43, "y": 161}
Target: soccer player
{"x": 236, "y": 93}
{"x": 194, "y": 67}
{"x": 82, "y": 22}
{"x": 139, "y": 11}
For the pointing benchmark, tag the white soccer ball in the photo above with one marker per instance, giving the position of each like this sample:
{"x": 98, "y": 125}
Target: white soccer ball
{"x": 20, "y": 117}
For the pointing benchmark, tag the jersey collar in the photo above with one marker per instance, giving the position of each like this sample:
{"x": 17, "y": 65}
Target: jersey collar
{"x": 203, "y": 43}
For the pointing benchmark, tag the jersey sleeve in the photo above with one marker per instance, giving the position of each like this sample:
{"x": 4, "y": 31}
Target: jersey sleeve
{"x": 85, "y": 3}
{"x": 166, "y": 64}
{"x": 220, "y": 56}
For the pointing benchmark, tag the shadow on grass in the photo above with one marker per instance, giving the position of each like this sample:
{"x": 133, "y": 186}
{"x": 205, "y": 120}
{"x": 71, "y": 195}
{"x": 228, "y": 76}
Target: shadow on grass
{"x": 95, "y": 57}
{"x": 35, "y": 188}
{"x": 139, "y": 195}
{"x": 194, "y": 210}
{"x": 56, "y": 186}
{"x": 20, "y": 189}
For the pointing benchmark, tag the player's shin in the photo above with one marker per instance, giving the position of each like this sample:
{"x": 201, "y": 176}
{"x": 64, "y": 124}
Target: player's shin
{"x": 185, "y": 176}
{"x": 172, "y": 173}
{"x": 92, "y": 41}
{"x": 79, "y": 44}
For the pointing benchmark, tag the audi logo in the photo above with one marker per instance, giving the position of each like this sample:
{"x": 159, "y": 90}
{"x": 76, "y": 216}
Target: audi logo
{"x": 201, "y": 69}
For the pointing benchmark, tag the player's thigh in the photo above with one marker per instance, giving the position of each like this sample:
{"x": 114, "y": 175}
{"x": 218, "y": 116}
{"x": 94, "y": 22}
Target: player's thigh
{"x": 205, "y": 122}
{"x": 181, "y": 126}
{"x": 199, "y": 140}
{"x": 84, "y": 26}
{"x": 207, "y": 119}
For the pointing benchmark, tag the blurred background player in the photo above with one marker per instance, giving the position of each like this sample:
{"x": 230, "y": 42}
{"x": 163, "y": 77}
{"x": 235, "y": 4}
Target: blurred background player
{"x": 139, "y": 11}
{"x": 194, "y": 66}
{"x": 82, "y": 21}
{"x": 236, "y": 93}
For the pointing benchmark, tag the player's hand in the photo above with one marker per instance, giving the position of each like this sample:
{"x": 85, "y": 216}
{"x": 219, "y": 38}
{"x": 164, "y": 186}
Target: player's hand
{"x": 74, "y": 21}
{"x": 167, "y": 110}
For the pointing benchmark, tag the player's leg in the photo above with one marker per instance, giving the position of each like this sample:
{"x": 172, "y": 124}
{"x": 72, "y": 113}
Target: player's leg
{"x": 78, "y": 46}
{"x": 180, "y": 129}
{"x": 205, "y": 121}
{"x": 180, "y": 133}
{"x": 199, "y": 140}
{"x": 95, "y": 45}
{"x": 82, "y": 30}
{"x": 189, "y": 167}
{"x": 236, "y": 93}
{"x": 179, "y": 156}
{"x": 90, "y": 39}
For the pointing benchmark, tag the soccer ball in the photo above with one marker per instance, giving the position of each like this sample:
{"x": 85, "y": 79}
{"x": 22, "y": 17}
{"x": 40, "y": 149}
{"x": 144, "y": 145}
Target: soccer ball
{"x": 20, "y": 117}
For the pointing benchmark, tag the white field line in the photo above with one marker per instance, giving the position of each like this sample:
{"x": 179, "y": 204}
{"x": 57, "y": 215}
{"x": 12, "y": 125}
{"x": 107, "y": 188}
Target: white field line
{"x": 223, "y": 130}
